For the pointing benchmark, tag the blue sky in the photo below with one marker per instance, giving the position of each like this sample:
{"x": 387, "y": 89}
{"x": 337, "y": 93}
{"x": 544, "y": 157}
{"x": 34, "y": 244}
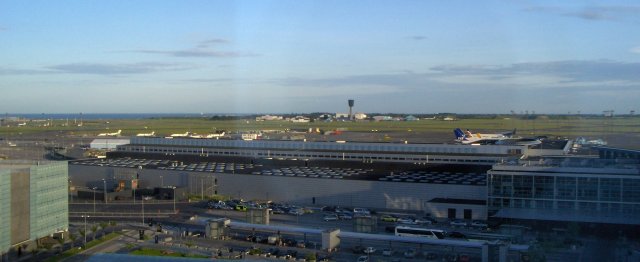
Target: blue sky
{"x": 311, "y": 56}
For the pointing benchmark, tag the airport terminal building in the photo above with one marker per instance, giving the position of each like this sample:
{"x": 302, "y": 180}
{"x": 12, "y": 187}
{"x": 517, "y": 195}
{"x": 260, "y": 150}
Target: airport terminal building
{"x": 443, "y": 180}
{"x": 33, "y": 200}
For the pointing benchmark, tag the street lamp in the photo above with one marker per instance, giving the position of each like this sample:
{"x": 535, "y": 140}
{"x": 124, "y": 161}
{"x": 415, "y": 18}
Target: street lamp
{"x": 142, "y": 201}
{"x": 174, "y": 199}
{"x": 94, "y": 199}
{"x": 104, "y": 181}
{"x": 85, "y": 229}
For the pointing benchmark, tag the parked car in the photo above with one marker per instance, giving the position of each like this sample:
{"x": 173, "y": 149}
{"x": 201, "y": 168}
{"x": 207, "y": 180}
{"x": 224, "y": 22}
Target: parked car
{"x": 387, "y": 252}
{"x": 406, "y": 221}
{"x": 424, "y": 221}
{"x": 345, "y": 216}
{"x": 455, "y": 234}
{"x": 458, "y": 223}
{"x": 369, "y": 250}
{"x": 410, "y": 253}
{"x": 357, "y": 249}
{"x": 388, "y": 218}
{"x": 297, "y": 212}
{"x": 330, "y": 217}
{"x": 363, "y": 259}
{"x": 479, "y": 224}
{"x": 430, "y": 255}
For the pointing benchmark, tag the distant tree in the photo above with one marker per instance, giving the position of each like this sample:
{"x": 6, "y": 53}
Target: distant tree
{"x": 73, "y": 238}
{"x": 94, "y": 229}
{"x": 83, "y": 233}
{"x": 103, "y": 227}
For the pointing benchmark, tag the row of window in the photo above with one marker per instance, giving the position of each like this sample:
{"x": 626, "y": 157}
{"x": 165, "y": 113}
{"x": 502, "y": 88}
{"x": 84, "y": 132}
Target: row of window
{"x": 296, "y": 145}
{"x": 565, "y": 188}
{"x": 567, "y": 205}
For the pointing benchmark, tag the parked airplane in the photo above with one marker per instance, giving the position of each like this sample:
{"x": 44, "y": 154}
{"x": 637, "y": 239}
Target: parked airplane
{"x": 181, "y": 135}
{"x": 217, "y": 135}
{"x": 147, "y": 134}
{"x": 498, "y": 139}
{"x": 111, "y": 134}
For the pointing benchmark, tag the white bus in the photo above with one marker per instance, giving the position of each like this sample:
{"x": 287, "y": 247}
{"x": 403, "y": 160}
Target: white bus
{"x": 419, "y": 232}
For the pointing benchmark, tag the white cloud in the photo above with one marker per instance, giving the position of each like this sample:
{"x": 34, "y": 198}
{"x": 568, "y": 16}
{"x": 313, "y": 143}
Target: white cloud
{"x": 635, "y": 50}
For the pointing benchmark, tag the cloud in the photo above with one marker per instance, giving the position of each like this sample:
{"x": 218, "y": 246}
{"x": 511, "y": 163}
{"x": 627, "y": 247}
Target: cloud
{"x": 196, "y": 52}
{"x": 202, "y": 49}
{"x": 417, "y": 37}
{"x": 212, "y": 41}
{"x": 566, "y": 75}
{"x": 564, "y": 71}
{"x": 19, "y": 71}
{"x": 2, "y": 28}
{"x": 635, "y": 50}
{"x": 117, "y": 69}
{"x": 593, "y": 13}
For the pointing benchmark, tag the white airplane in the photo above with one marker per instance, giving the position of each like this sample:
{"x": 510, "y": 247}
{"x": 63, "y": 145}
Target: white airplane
{"x": 181, "y": 135}
{"x": 111, "y": 134}
{"x": 215, "y": 135}
{"x": 497, "y": 139}
{"x": 147, "y": 134}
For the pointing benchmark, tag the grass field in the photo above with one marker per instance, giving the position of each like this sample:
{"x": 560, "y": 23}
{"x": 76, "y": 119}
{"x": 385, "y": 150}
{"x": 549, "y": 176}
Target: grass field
{"x": 588, "y": 127}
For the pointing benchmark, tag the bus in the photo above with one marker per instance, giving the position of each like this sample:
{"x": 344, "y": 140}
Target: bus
{"x": 403, "y": 231}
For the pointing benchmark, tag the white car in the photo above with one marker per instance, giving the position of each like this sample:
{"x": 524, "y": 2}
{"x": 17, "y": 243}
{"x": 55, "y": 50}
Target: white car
{"x": 331, "y": 217}
{"x": 458, "y": 223}
{"x": 423, "y": 222}
{"x": 479, "y": 224}
{"x": 369, "y": 250}
{"x": 406, "y": 221}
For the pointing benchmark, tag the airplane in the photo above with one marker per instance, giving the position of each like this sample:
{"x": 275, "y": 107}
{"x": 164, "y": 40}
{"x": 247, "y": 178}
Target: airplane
{"x": 181, "y": 135}
{"x": 497, "y": 139}
{"x": 147, "y": 134}
{"x": 215, "y": 135}
{"x": 111, "y": 134}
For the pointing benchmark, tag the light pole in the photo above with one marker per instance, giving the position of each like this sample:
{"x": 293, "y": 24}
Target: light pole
{"x": 142, "y": 200}
{"x": 94, "y": 199}
{"x": 174, "y": 199}
{"x": 70, "y": 192}
{"x": 85, "y": 229}
{"x": 104, "y": 181}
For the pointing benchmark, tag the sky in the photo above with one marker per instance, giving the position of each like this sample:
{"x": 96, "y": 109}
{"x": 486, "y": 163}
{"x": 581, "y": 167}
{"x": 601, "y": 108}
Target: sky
{"x": 155, "y": 56}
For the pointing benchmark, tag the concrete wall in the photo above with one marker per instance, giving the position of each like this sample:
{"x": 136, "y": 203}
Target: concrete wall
{"x": 301, "y": 190}
{"x": 20, "y": 203}
{"x": 441, "y": 210}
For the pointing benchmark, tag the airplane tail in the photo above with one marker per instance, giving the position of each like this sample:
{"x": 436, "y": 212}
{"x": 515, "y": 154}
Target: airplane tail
{"x": 459, "y": 134}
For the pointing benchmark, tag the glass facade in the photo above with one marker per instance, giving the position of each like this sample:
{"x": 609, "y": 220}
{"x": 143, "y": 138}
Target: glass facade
{"x": 48, "y": 208}
{"x": 49, "y": 199}
{"x": 5, "y": 206}
{"x": 595, "y": 193}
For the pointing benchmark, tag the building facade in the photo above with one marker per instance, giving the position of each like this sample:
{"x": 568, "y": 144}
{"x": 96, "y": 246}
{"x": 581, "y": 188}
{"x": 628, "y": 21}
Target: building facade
{"x": 33, "y": 197}
{"x": 577, "y": 190}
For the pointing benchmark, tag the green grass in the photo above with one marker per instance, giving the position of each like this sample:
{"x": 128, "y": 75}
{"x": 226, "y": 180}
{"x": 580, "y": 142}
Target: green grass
{"x": 163, "y": 253}
{"x": 75, "y": 250}
{"x": 558, "y": 126}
